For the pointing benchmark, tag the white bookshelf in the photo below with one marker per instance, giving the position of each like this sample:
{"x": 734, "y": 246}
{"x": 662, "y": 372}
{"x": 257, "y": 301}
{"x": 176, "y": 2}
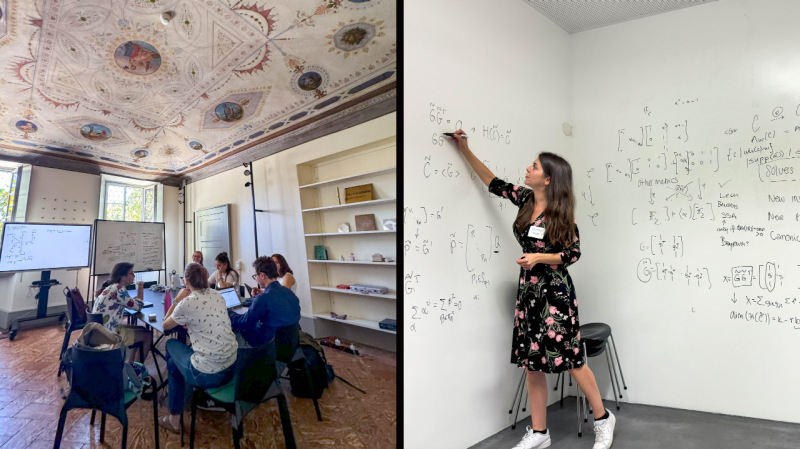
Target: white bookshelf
{"x": 350, "y": 205}
{"x": 322, "y": 185}
{"x": 355, "y": 262}
{"x": 326, "y": 288}
{"x": 332, "y": 182}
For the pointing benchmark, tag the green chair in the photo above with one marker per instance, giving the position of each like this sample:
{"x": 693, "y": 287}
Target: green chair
{"x": 255, "y": 380}
{"x": 97, "y": 382}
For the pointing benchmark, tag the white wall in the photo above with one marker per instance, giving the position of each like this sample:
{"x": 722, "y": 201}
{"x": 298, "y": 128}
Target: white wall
{"x": 678, "y": 344}
{"x": 277, "y": 190}
{"x": 484, "y": 64}
{"x": 49, "y": 189}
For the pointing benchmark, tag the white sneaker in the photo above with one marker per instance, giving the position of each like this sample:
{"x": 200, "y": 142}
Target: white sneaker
{"x": 604, "y": 432}
{"x": 533, "y": 440}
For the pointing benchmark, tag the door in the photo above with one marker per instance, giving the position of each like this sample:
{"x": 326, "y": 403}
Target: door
{"x": 212, "y": 234}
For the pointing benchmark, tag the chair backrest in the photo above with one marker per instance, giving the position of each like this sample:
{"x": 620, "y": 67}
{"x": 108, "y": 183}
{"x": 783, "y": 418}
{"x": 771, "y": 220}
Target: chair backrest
{"x": 76, "y": 307}
{"x": 97, "y": 376}
{"x": 286, "y": 342}
{"x": 255, "y": 372}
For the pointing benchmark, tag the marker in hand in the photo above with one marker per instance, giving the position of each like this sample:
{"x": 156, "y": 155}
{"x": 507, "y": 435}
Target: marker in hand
{"x": 463, "y": 136}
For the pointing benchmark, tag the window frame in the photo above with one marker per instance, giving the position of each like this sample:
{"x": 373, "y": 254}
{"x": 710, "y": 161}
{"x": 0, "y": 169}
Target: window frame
{"x": 143, "y": 188}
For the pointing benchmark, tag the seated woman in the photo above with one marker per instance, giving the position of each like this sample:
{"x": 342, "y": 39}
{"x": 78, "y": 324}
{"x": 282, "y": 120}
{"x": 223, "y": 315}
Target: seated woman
{"x": 285, "y": 274}
{"x": 111, "y": 301}
{"x": 225, "y": 276}
{"x": 197, "y": 257}
{"x": 209, "y": 362}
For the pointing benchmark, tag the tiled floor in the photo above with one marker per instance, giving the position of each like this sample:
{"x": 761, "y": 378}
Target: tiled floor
{"x": 30, "y": 403}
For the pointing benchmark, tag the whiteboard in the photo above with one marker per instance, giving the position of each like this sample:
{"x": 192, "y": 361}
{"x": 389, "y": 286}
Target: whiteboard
{"x": 31, "y": 246}
{"x": 460, "y": 275}
{"x": 125, "y": 241}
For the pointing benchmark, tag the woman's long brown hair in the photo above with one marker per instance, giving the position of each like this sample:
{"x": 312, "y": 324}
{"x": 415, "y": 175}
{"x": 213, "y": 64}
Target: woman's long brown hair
{"x": 559, "y": 215}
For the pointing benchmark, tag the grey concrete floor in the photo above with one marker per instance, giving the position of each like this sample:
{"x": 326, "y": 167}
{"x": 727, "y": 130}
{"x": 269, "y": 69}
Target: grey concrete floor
{"x": 649, "y": 427}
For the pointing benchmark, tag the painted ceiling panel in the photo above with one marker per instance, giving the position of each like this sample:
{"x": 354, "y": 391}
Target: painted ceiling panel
{"x": 107, "y": 82}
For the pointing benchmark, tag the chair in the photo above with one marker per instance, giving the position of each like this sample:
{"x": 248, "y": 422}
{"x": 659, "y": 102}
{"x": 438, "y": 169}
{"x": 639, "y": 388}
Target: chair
{"x": 97, "y": 382}
{"x": 73, "y": 324}
{"x": 255, "y": 380}
{"x": 289, "y": 354}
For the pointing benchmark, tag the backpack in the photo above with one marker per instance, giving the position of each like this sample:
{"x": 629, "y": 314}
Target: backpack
{"x": 78, "y": 305}
{"x": 317, "y": 366}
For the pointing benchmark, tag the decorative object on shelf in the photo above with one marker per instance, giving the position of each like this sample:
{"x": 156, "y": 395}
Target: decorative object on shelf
{"x": 388, "y": 324}
{"x": 342, "y": 258}
{"x": 369, "y": 289}
{"x": 365, "y": 222}
{"x": 338, "y": 317}
{"x": 358, "y": 194}
{"x": 390, "y": 224}
{"x": 343, "y": 286}
{"x": 377, "y": 257}
{"x": 389, "y": 259}
{"x": 344, "y": 227}
{"x": 352, "y": 257}
{"x": 320, "y": 252}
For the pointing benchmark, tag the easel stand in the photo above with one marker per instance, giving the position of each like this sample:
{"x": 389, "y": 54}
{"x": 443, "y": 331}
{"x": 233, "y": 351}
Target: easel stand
{"x": 44, "y": 285}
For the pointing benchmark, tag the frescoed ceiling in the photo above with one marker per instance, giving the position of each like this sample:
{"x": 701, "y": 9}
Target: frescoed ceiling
{"x": 105, "y": 83}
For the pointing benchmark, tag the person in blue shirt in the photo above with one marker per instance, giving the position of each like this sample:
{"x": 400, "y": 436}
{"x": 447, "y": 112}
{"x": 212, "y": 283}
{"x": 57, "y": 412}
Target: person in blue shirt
{"x": 273, "y": 307}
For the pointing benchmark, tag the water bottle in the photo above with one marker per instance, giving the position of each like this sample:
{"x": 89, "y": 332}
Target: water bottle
{"x": 174, "y": 280}
{"x": 167, "y": 302}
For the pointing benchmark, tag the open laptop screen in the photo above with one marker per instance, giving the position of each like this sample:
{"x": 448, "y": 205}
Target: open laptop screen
{"x": 231, "y": 297}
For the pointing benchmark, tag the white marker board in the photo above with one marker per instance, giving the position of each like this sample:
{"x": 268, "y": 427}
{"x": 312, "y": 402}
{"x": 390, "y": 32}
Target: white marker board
{"x": 126, "y": 241}
{"x": 36, "y": 246}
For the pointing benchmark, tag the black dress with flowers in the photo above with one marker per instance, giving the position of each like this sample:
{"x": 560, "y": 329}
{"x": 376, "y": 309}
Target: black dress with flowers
{"x": 546, "y": 327}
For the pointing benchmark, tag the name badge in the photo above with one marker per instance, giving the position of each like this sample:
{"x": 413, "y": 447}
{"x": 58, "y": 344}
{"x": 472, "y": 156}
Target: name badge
{"x": 536, "y": 232}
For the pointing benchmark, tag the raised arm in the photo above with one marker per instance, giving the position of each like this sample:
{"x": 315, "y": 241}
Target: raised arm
{"x": 481, "y": 170}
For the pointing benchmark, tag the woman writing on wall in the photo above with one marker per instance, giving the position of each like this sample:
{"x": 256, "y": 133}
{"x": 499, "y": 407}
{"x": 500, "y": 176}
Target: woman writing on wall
{"x": 546, "y": 337}
{"x": 111, "y": 301}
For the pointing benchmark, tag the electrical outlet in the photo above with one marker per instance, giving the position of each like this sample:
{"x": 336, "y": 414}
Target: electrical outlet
{"x": 238, "y": 264}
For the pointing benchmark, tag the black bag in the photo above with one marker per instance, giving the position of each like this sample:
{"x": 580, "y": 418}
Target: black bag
{"x": 321, "y": 374}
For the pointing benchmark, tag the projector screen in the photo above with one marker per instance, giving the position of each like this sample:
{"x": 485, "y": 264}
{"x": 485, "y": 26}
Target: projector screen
{"x": 39, "y": 246}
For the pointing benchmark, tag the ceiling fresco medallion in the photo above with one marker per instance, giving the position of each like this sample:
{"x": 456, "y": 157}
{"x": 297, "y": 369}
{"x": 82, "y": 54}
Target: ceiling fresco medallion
{"x": 137, "y": 57}
{"x": 140, "y": 154}
{"x": 196, "y": 145}
{"x": 25, "y": 125}
{"x": 169, "y": 152}
{"x": 86, "y": 129}
{"x": 95, "y": 132}
{"x": 310, "y": 80}
{"x": 354, "y": 36}
{"x": 233, "y": 110}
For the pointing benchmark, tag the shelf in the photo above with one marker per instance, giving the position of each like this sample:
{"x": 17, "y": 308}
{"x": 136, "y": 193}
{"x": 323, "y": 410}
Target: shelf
{"x": 316, "y": 185}
{"x": 359, "y": 204}
{"x": 325, "y": 288}
{"x": 355, "y": 322}
{"x": 331, "y": 234}
{"x": 356, "y": 262}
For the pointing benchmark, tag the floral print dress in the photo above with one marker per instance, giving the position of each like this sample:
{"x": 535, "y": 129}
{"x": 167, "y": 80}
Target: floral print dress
{"x": 112, "y": 303}
{"x": 547, "y": 333}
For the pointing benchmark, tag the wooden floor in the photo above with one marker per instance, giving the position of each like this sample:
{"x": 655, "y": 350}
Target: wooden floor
{"x": 30, "y": 403}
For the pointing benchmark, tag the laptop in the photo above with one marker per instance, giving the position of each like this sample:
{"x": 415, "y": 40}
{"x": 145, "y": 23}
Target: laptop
{"x": 231, "y": 297}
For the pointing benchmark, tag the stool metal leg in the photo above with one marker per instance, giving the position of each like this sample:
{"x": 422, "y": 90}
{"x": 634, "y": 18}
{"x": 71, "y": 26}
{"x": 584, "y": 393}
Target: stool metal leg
{"x": 526, "y": 404}
{"x": 561, "y": 402}
{"x": 616, "y": 354}
{"x": 516, "y": 393}
{"x": 614, "y": 370}
{"x": 586, "y": 362}
{"x": 611, "y": 377}
{"x": 580, "y": 428}
{"x": 558, "y": 377}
